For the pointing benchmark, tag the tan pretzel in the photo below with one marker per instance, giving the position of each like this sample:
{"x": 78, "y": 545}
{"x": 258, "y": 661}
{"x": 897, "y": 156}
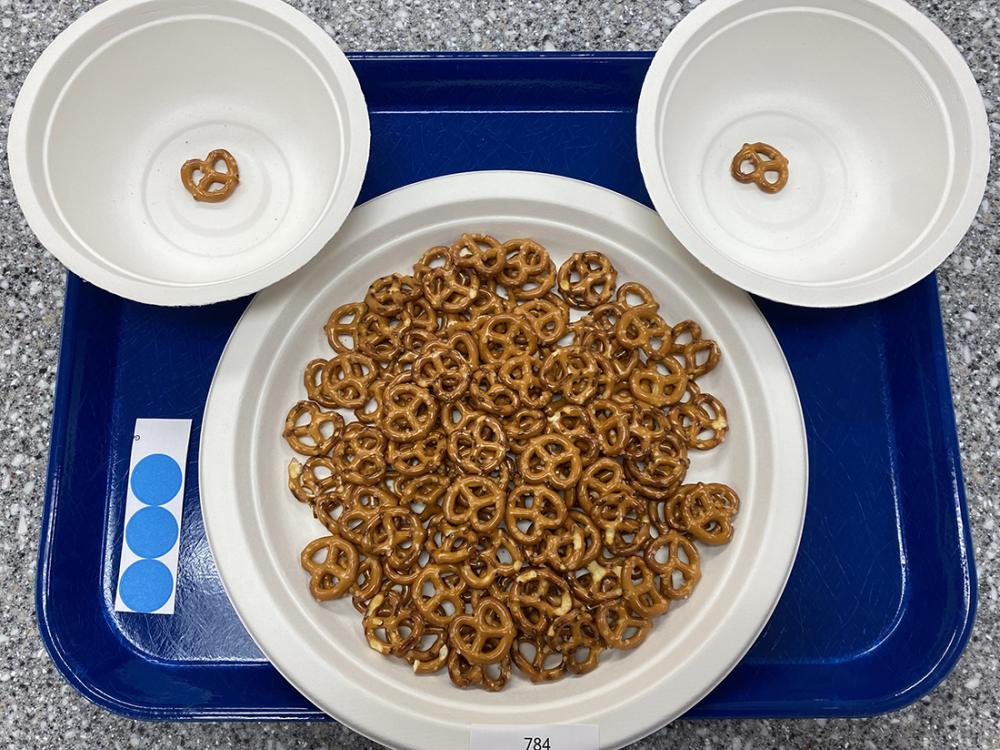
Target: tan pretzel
{"x": 396, "y": 535}
{"x": 481, "y": 252}
{"x": 641, "y": 327}
{"x": 420, "y": 457}
{"x": 450, "y": 289}
{"x": 435, "y": 257}
{"x": 641, "y": 589}
{"x": 576, "y": 637}
{"x": 359, "y": 457}
{"x": 680, "y": 557}
{"x": 465, "y": 345}
{"x": 342, "y": 381}
{"x": 623, "y": 359}
{"x": 598, "y": 583}
{"x": 611, "y": 426}
{"x": 486, "y": 635}
{"x": 619, "y": 626}
{"x": 392, "y": 625}
{"x": 418, "y": 315}
{"x": 699, "y": 355}
{"x": 480, "y": 447}
{"x": 365, "y": 504}
{"x": 476, "y": 501}
{"x": 573, "y": 545}
{"x": 660, "y": 383}
{"x": 486, "y": 304}
{"x": 521, "y": 426}
{"x": 537, "y": 597}
{"x": 457, "y": 416}
{"x": 443, "y": 370}
{"x": 450, "y": 545}
{"x": 763, "y": 159}
{"x": 647, "y": 426}
{"x": 522, "y": 372}
{"x": 367, "y": 583}
{"x": 603, "y": 318}
{"x": 662, "y": 469}
{"x": 311, "y": 431}
{"x": 410, "y": 412}
{"x": 387, "y": 295}
{"x": 537, "y": 659}
{"x": 532, "y": 510}
{"x": 318, "y": 476}
{"x": 332, "y": 576}
{"x": 632, "y": 293}
{"x": 330, "y": 506}
{"x": 431, "y": 655}
{"x": 701, "y": 420}
{"x": 489, "y": 394}
{"x": 705, "y": 511}
{"x": 437, "y": 593}
{"x": 587, "y": 279}
{"x": 342, "y": 326}
{"x": 569, "y": 420}
{"x": 379, "y": 337}
{"x": 202, "y": 188}
{"x": 425, "y": 490}
{"x": 464, "y": 673}
{"x": 571, "y": 371}
{"x": 553, "y": 460}
{"x": 493, "y": 555}
{"x": 549, "y": 316}
{"x": 624, "y": 521}
{"x": 602, "y": 477}
{"x": 504, "y": 336}
{"x": 528, "y": 272}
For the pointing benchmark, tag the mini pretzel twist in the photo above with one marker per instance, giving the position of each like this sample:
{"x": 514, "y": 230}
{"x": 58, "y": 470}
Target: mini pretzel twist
{"x": 332, "y": 576}
{"x": 486, "y": 635}
{"x": 587, "y": 279}
{"x": 763, "y": 159}
{"x": 202, "y": 188}
{"x": 311, "y": 431}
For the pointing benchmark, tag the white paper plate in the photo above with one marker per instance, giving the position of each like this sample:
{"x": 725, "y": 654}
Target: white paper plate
{"x": 878, "y": 114}
{"x": 257, "y": 530}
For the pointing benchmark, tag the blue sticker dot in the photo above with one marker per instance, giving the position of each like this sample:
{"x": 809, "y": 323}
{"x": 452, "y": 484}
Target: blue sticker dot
{"x": 146, "y": 585}
{"x": 151, "y": 532}
{"x": 156, "y": 479}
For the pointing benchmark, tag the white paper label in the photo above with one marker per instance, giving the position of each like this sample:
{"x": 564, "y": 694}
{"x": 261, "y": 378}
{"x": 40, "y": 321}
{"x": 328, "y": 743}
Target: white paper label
{"x": 534, "y": 737}
{"x": 147, "y": 574}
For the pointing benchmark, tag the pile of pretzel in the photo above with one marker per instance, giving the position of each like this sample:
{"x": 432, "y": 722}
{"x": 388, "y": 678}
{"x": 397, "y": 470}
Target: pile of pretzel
{"x": 512, "y": 488}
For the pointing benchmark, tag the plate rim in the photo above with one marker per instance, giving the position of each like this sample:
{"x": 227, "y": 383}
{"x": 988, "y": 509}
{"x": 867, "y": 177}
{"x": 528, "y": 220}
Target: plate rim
{"x": 500, "y": 184}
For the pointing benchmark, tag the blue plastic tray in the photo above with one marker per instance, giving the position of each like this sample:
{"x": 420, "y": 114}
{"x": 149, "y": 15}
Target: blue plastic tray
{"x": 882, "y": 596}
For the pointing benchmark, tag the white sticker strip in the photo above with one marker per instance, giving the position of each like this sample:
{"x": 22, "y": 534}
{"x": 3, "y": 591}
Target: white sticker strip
{"x": 147, "y": 574}
{"x": 534, "y": 737}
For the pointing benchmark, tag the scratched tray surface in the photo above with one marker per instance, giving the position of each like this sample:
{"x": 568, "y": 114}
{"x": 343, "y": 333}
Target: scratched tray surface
{"x": 881, "y": 598}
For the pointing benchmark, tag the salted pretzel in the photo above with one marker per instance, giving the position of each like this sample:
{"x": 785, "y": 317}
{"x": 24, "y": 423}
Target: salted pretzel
{"x": 763, "y": 160}
{"x": 213, "y": 185}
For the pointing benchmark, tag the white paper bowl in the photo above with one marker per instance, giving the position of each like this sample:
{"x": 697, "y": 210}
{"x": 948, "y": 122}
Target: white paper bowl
{"x": 880, "y": 118}
{"x": 136, "y": 87}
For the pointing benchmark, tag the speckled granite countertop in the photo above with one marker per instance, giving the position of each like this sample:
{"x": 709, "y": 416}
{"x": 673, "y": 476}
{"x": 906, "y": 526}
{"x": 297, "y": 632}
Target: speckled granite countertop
{"x": 41, "y": 710}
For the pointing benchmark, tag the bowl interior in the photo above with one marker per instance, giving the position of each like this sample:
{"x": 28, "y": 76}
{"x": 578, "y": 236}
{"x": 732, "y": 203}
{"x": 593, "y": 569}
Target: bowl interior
{"x": 174, "y": 87}
{"x": 860, "y": 117}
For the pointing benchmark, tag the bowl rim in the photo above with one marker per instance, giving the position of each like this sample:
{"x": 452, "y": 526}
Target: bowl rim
{"x": 24, "y": 175}
{"x": 875, "y": 285}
